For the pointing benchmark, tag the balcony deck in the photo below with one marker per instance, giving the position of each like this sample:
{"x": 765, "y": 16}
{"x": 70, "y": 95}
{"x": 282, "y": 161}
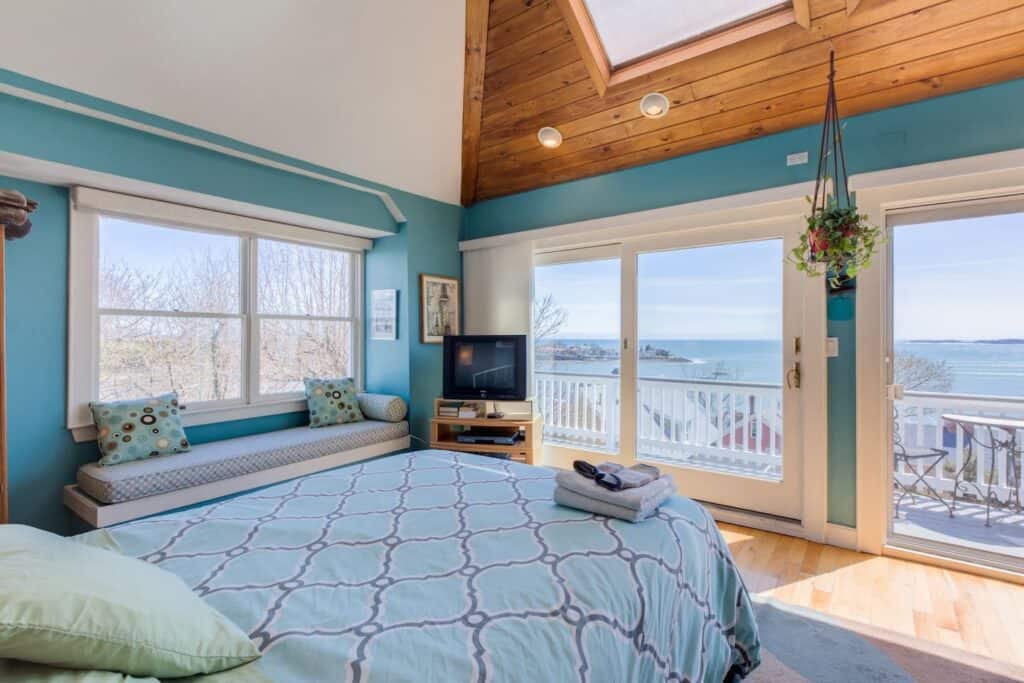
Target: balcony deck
{"x": 929, "y": 520}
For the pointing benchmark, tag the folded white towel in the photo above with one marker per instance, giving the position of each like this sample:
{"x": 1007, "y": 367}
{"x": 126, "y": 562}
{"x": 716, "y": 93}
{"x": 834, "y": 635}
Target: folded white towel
{"x": 568, "y": 498}
{"x": 638, "y": 498}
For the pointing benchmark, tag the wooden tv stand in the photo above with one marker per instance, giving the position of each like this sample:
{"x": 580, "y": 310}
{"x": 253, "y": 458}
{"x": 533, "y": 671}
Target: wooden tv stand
{"x": 444, "y": 429}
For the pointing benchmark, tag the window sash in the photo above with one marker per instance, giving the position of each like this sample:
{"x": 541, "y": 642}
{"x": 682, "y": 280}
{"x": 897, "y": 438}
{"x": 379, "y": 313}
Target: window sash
{"x": 85, "y": 316}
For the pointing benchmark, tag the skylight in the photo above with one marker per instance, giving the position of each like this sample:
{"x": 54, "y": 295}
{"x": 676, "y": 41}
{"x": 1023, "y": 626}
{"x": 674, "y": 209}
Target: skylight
{"x": 632, "y": 29}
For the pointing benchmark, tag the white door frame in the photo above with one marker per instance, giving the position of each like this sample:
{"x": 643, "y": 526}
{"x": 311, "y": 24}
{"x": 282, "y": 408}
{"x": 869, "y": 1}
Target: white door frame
{"x": 715, "y": 218}
{"x": 880, "y": 193}
{"x": 784, "y": 498}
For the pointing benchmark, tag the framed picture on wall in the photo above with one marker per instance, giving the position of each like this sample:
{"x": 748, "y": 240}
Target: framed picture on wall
{"x": 384, "y": 314}
{"x": 439, "y": 307}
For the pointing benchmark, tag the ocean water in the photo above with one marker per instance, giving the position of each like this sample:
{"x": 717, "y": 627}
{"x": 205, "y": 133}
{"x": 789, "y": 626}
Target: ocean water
{"x": 974, "y": 367}
{"x": 742, "y": 361}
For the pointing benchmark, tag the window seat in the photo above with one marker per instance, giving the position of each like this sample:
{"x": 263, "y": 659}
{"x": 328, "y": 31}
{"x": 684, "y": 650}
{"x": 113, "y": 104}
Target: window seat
{"x": 114, "y": 494}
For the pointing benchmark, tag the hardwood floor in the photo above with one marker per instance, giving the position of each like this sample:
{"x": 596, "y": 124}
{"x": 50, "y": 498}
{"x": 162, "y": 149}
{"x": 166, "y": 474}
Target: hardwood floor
{"x": 973, "y": 613}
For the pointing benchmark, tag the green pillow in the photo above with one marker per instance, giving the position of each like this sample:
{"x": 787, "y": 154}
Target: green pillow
{"x": 73, "y": 605}
{"x": 332, "y": 401}
{"x": 138, "y": 429}
{"x": 30, "y": 672}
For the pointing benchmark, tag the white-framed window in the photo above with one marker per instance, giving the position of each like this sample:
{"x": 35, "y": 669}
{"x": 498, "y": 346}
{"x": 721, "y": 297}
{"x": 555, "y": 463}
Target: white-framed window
{"x": 230, "y": 312}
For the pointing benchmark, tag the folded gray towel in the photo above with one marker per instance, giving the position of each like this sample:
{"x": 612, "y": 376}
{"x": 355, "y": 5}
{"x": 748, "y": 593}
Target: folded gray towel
{"x": 628, "y": 477}
{"x": 635, "y": 498}
{"x": 564, "y": 496}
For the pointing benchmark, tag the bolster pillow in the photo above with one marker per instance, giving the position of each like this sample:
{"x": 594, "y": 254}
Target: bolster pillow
{"x": 382, "y": 407}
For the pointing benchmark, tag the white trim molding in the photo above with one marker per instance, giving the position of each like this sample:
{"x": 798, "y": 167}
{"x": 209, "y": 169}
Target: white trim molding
{"x": 386, "y": 199}
{"x": 88, "y": 199}
{"x": 739, "y": 209}
{"x": 52, "y": 173}
{"x": 881, "y": 194}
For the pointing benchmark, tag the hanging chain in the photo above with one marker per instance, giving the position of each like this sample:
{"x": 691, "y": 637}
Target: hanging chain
{"x": 831, "y": 150}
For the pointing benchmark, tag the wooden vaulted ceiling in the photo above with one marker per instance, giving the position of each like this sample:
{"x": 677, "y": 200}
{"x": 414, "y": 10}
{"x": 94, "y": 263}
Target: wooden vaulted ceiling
{"x": 527, "y": 67}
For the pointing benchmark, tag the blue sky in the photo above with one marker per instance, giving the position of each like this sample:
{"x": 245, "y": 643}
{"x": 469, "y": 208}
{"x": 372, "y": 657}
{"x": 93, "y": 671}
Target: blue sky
{"x": 731, "y": 291}
{"x": 959, "y": 279}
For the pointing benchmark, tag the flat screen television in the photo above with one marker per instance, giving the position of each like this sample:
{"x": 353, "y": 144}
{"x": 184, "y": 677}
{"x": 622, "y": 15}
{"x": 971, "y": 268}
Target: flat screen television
{"x": 484, "y": 366}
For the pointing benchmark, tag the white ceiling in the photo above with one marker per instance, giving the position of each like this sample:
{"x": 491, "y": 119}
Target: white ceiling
{"x": 372, "y": 88}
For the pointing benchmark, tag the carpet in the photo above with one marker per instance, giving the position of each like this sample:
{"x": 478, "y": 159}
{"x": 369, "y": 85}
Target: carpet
{"x": 800, "y": 645}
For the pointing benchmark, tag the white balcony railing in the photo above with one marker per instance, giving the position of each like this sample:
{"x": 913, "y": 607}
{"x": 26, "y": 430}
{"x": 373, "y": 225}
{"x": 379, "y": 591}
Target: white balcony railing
{"x": 730, "y": 426}
{"x": 734, "y": 426}
{"x": 919, "y": 424}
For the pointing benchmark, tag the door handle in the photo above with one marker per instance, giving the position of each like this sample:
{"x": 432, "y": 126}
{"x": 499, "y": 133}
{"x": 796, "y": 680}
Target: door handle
{"x": 793, "y": 376}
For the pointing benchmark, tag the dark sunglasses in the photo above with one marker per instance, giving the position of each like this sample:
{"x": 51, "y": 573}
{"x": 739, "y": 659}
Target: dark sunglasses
{"x": 608, "y": 481}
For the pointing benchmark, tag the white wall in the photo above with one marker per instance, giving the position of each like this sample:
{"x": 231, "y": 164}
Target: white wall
{"x": 497, "y": 290}
{"x": 372, "y": 88}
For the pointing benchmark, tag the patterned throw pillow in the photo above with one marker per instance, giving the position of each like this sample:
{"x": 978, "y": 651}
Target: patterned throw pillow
{"x": 332, "y": 401}
{"x": 138, "y": 429}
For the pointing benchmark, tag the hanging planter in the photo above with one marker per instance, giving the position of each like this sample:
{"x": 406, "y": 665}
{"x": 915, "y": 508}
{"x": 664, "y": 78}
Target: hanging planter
{"x": 839, "y": 242}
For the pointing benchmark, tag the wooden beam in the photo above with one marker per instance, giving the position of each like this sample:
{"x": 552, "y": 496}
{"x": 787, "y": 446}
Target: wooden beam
{"x": 473, "y": 94}
{"x": 802, "y": 9}
{"x": 587, "y": 42}
{"x": 851, "y": 6}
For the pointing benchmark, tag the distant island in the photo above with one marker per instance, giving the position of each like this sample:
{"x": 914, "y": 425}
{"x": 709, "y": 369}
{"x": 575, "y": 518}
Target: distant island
{"x": 584, "y": 352}
{"x": 965, "y": 341}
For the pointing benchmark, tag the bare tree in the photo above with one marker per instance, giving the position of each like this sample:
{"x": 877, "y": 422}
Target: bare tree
{"x": 548, "y": 318}
{"x": 915, "y": 372}
{"x": 200, "y": 356}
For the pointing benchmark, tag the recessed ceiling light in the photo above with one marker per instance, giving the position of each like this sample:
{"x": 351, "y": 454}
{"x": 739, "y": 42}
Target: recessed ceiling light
{"x": 654, "y": 105}
{"x": 549, "y": 137}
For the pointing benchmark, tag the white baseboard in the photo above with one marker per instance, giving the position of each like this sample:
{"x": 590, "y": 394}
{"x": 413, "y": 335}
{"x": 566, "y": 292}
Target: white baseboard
{"x": 99, "y": 515}
{"x": 754, "y": 520}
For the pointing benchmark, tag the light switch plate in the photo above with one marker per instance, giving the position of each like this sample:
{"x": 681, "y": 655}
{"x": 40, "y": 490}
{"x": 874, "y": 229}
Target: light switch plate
{"x": 796, "y": 159}
{"x": 832, "y": 347}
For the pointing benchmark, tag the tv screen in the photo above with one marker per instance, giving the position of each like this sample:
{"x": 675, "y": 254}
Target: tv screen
{"x": 485, "y": 367}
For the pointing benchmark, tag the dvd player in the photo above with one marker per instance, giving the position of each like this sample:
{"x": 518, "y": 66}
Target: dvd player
{"x": 490, "y": 435}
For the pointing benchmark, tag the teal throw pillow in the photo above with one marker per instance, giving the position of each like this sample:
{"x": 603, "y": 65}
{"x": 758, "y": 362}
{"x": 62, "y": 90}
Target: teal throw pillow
{"x": 138, "y": 429}
{"x": 332, "y": 401}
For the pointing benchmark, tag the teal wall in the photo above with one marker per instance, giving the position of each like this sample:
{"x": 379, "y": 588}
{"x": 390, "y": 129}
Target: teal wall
{"x": 975, "y": 122}
{"x": 43, "y": 456}
{"x": 406, "y": 366}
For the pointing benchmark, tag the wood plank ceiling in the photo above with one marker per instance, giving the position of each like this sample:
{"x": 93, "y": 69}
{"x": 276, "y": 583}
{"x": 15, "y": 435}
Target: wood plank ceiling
{"x": 888, "y": 52}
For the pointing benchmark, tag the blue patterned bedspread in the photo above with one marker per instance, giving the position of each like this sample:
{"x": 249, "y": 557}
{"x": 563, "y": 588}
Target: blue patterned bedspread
{"x": 437, "y": 566}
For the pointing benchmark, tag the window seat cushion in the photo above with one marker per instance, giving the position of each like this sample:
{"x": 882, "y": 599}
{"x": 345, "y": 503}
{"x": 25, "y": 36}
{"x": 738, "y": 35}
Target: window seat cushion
{"x": 220, "y": 460}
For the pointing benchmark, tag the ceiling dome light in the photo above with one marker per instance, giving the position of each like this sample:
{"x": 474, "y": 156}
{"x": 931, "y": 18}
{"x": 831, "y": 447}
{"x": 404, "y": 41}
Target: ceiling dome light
{"x": 654, "y": 105}
{"x": 549, "y": 137}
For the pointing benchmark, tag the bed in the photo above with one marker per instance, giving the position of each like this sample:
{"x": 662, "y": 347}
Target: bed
{"x": 441, "y": 566}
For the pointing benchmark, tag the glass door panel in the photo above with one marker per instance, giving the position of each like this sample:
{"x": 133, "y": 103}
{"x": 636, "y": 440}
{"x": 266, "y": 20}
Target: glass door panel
{"x": 958, "y": 375}
{"x": 576, "y": 363}
{"x": 711, "y": 358}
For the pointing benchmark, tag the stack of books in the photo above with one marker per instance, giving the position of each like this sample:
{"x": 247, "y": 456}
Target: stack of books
{"x": 456, "y": 409}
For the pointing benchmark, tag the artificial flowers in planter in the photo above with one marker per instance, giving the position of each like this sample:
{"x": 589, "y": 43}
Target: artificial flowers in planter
{"x": 839, "y": 243}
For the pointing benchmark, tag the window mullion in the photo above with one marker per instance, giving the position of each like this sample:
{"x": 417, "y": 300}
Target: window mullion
{"x": 252, "y": 345}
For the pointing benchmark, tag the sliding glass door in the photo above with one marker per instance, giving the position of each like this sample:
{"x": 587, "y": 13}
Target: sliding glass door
{"x": 957, "y": 380}
{"x": 680, "y": 351}
{"x": 717, "y": 330}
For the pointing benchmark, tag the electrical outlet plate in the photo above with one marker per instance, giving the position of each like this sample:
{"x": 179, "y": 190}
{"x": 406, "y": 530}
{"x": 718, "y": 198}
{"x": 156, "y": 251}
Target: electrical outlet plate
{"x": 796, "y": 159}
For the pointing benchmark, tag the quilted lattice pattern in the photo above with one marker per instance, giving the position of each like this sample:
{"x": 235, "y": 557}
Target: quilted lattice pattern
{"x": 437, "y": 566}
{"x": 232, "y": 458}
